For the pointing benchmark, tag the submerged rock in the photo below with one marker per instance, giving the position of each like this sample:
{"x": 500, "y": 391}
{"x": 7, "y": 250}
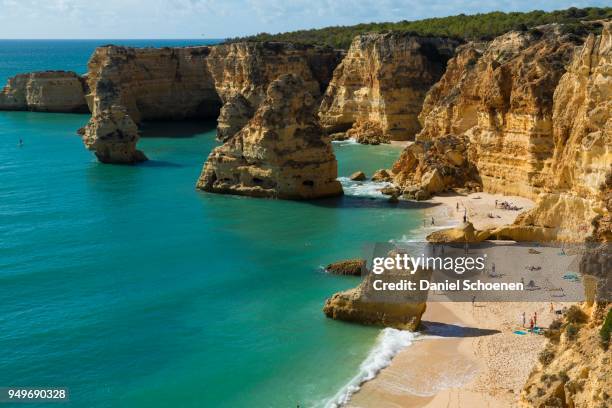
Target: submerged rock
{"x": 382, "y": 175}
{"x": 353, "y": 267}
{"x": 280, "y": 153}
{"x": 358, "y": 176}
{"x": 45, "y": 91}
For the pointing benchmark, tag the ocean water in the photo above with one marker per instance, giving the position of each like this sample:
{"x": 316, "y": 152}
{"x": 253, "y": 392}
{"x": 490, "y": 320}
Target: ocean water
{"x": 132, "y": 289}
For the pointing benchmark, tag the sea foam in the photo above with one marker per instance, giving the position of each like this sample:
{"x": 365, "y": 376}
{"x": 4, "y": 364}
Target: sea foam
{"x": 370, "y": 189}
{"x": 388, "y": 344}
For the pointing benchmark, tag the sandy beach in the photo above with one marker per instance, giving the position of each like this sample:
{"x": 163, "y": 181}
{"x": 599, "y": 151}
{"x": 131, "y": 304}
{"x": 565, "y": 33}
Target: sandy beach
{"x": 468, "y": 355}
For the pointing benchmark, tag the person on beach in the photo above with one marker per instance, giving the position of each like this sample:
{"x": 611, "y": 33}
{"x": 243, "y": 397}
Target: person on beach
{"x": 495, "y": 203}
{"x": 524, "y": 319}
{"x": 531, "y": 325}
{"x": 432, "y": 221}
{"x": 473, "y": 301}
{"x": 535, "y": 318}
{"x": 552, "y": 308}
{"x": 457, "y": 205}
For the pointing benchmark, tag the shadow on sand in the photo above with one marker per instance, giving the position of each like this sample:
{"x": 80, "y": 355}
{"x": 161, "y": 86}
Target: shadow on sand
{"x": 453, "y": 330}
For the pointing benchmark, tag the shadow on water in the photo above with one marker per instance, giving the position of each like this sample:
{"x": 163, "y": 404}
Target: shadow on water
{"x": 369, "y": 202}
{"x": 454, "y": 330}
{"x": 160, "y": 163}
{"x": 176, "y": 129}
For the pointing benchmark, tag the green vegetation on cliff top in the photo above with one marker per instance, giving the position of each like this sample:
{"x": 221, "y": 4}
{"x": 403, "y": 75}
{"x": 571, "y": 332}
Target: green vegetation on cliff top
{"x": 474, "y": 27}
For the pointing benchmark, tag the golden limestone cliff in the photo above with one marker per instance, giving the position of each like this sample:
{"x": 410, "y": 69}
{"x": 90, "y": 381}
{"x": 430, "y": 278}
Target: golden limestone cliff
{"x": 226, "y": 81}
{"x": 46, "y": 91}
{"x": 281, "y": 152}
{"x": 577, "y": 198}
{"x": 144, "y": 84}
{"x": 242, "y": 72}
{"x": 529, "y": 113}
{"x": 377, "y": 91}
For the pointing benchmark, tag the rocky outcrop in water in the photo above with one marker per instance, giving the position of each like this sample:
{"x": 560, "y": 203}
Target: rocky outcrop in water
{"x": 366, "y": 305}
{"x": 112, "y": 135}
{"x": 378, "y": 89}
{"x": 528, "y": 128}
{"x": 281, "y": 152}
{"x": 46, "y": 91}
{"x": 353, "y": 267}
{"x": 225, "y": 81}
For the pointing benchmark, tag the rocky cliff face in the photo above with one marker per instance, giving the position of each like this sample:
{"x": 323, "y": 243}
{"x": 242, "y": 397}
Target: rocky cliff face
{"x": 530, "y": 128}
{"x": 47, "y": 91}
{"x": 243, "y": 71}
{"x": 280, "y": 153}
{"x": 578, "y": 182}
{"x": 378, "y": 89}
{"x": 225, "y": 81}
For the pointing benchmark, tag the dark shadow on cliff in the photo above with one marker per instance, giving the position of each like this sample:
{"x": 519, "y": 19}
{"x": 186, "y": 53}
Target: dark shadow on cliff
{"x": 370, "y": 202}
{"x": 176, "y": 129}
{"x": 453, "y": 330}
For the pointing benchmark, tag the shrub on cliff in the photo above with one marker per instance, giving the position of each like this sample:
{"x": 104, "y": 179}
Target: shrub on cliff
{"x": 575, "y": 315}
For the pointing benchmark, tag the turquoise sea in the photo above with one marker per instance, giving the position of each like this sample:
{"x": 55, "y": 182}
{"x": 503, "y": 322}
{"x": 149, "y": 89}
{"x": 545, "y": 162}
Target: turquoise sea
{"x": 132, "y": 289}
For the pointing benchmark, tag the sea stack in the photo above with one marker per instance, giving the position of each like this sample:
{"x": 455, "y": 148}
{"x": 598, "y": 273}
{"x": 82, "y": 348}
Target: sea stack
{"x": 280, "y": 153}
{"x": 45, "y": 91}
{"x": 112, "y": 135}
{"x": 377, "y": 91}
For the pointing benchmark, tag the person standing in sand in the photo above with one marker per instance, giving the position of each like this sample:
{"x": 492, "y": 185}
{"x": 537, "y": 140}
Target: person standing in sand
{"x": 531, "y": 325}
{"x": 535, "y": 318}
{"x": 552, "y": 308}
{"x": 523, "y": 319}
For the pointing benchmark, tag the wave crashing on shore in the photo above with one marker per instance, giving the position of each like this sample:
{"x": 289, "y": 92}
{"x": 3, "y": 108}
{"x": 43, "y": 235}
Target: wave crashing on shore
{"x": 388, "y": 344}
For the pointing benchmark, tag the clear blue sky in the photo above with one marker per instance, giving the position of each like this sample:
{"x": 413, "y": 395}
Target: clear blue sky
{"x": 220, "y": 19}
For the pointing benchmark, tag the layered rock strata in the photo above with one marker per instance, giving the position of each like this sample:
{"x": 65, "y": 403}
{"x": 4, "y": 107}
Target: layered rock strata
{"x": 377, "y": 91}
{"x": 46, "y": 91}
{"x": 281, "y": 152}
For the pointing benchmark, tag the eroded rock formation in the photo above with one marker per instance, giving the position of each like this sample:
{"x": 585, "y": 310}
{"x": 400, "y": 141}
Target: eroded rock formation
{"x": 46, "y": 91}
{"x": 280, "y": 153}
{"x": 378, "y": 89}
{"x": 226, "y": 81}
{"x": 112, "y": 135}
{"x": 528, "y": 128}
{"x": 243, "y": 71}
